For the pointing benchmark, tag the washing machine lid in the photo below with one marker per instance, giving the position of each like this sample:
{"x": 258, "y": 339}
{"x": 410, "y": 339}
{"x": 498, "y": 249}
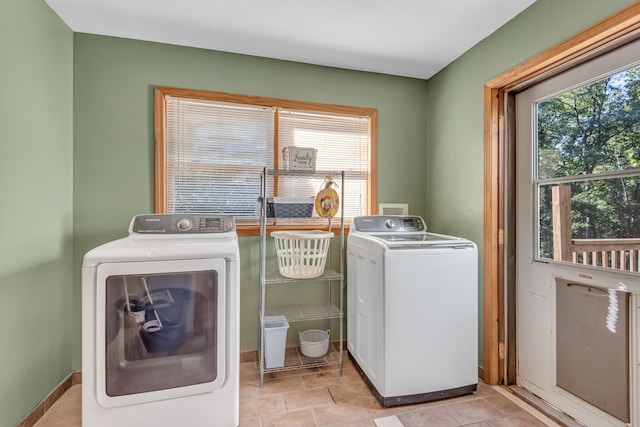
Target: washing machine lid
{"x": 403, "y": 232}
{"x": 419, "y": 240}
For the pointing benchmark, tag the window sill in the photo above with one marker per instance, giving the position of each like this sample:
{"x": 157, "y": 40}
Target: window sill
{"x": 252, "y": 228}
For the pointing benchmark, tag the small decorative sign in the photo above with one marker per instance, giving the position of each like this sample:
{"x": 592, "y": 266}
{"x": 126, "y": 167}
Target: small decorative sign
{"x": 301, "y": 159}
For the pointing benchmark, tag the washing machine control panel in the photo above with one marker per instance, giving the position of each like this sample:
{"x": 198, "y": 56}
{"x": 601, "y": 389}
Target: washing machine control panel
{"x": 388, "y": 223}
{"x": 181, "y": 224}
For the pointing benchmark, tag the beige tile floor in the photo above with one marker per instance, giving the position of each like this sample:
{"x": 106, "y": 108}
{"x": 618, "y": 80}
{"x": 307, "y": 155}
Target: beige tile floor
{"x": 320, "y": 397}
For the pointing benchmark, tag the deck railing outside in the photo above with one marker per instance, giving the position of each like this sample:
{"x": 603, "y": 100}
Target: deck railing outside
{"x": 617, "y": 254}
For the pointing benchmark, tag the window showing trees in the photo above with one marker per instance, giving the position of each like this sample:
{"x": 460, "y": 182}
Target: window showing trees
{"x": 588, "y": 141}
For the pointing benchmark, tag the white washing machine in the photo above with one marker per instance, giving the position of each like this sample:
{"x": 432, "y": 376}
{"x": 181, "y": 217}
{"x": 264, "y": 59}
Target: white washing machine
{"x": 412, "y": 323}
{"x": 160, "y": 325}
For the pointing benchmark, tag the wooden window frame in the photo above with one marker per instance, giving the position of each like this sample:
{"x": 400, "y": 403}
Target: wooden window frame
{"x": 499, "y": 191}
{"x": 253, "y": 229}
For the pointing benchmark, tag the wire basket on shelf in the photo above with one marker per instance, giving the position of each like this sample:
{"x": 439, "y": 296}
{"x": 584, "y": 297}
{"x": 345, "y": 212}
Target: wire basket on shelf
{"x": 289, "y": 207}
{"x": 314, "y": 342}
{"x": 302, "y": 254}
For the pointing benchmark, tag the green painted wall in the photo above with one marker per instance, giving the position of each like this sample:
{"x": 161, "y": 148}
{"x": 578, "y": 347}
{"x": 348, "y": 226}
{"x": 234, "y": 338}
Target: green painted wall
{"x": 36, "y": 284}
{"x": 114, "y": 81}
{"x": 455, "y": 117}
{"x": 77, "y": 156}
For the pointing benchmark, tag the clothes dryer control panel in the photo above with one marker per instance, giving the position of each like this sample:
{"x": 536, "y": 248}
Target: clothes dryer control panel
{"x": 181, "y": 223}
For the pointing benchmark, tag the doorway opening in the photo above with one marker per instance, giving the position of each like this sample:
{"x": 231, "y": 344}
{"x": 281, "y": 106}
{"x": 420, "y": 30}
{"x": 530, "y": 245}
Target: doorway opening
{"x": 500, "y": 265}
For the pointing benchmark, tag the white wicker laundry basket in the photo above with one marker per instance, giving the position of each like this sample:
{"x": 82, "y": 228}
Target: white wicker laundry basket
{"x": 302, "y": 254}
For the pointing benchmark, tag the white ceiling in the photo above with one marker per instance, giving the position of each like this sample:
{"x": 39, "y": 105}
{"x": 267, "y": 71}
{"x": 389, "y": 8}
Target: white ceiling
{"x": 412, "y": 38}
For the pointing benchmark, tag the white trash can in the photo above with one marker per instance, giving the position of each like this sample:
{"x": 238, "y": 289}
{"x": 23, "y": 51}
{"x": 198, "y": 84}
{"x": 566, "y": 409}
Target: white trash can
{"x": 275, "y": 340}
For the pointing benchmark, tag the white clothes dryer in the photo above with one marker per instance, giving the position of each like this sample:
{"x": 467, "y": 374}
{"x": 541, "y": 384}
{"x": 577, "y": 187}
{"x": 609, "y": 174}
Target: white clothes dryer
{"x": 160, "y": 325}
{"x": 412, "y": 323}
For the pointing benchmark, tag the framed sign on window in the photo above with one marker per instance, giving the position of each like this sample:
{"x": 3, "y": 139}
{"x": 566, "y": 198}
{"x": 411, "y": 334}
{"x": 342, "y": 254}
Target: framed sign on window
{"x": 300, "y": 159}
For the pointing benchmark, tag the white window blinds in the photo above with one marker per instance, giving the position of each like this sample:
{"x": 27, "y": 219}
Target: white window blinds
{"x": 214, "y": 146}
{"x": 342, "y": 144}
{"x": 214, "y": 154}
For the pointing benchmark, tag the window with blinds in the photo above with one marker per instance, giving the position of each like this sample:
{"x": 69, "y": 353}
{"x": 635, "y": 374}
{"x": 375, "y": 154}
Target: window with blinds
{"x": 214, "y": 153}
{"x": 211, "y": 148}
{"x": 342, "y": 144}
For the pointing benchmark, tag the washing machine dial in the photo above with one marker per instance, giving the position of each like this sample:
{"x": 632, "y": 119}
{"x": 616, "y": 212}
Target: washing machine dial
{"x": 390, "y": 224}
{"x": 184, "y": 224}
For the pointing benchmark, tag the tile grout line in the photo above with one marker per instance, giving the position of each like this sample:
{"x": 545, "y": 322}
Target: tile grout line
{"x": 332, "y": 396}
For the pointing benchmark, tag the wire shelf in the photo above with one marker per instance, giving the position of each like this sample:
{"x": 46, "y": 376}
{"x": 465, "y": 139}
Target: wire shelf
{"x": 294, "y": 359}
{"x": 276, "y": 277}
{"x": 302, "y": 312}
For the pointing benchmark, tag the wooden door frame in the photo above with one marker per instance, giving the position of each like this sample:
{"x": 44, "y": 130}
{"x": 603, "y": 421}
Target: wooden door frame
{"x": 499, "y": 191}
